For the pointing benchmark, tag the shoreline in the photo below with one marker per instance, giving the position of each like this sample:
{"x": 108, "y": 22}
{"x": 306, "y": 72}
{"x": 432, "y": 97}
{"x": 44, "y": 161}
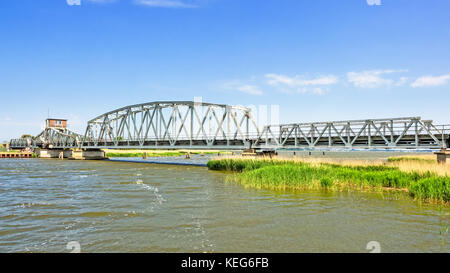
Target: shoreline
{"x": 158, "y": 162}
{"x": 159, "y": 153}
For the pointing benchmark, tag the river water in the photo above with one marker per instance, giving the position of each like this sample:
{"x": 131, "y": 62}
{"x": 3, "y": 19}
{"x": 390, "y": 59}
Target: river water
{"x": 110, "y": 206}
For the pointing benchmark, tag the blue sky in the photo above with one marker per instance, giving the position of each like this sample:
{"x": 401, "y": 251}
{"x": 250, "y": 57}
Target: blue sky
{"x": 318, "y": 60}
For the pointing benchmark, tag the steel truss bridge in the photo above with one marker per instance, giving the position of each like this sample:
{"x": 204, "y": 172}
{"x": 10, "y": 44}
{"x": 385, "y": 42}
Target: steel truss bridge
{"x": 197, "y": 125}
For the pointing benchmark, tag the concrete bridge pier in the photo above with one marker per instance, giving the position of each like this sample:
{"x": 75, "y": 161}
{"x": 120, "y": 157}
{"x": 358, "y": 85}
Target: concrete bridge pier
{"x": 442, "y": 156}
{"x": 53, "y": 153}
{"x": 88, "y": 154}
{"x": 71, "y": 154}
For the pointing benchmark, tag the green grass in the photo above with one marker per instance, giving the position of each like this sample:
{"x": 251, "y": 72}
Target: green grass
{"x": 326, "y": 182}
{"x": 239, "y": 165}
{"x": 274, "y": 174}
{"x": 11, "y": 151}
{"x": 433, "y": 188}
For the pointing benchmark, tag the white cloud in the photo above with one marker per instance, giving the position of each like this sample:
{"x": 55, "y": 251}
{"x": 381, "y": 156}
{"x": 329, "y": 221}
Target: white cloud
{"x": 401, "y": 81}
{"x": 299, "y": 84}
{"x": 164, "y": 3}
{"x": 426, "y": 81}
{"x": 250, "y": 89}
{"x": 297, "y": 81}
{"x": 242, "y": 87}
{"x": 371, "y": 78}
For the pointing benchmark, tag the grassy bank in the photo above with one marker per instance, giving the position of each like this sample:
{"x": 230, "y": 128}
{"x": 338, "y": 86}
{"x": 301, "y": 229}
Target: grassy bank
{"x": 313, "y": 175}
{"x": 156, "y": 153}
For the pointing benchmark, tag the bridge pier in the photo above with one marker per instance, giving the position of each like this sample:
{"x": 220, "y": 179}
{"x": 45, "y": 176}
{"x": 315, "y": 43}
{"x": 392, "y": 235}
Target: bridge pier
{"x": 71, "y": 154}
{"x": 53, "y": 153}
{"x": 88, "y": 155}
{"x": 442, "y": 156}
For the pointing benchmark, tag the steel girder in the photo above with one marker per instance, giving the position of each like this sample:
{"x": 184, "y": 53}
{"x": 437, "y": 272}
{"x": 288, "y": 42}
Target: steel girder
{"x": 50, "y": 138}
{"x": 20, "y": 143}
{"x": 409, "y": 132}
{"x": 57, "y": 138}
{"x": 172, "y": 124}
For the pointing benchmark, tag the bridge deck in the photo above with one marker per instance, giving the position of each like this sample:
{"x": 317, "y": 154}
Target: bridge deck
{"x": 409, "y": 141}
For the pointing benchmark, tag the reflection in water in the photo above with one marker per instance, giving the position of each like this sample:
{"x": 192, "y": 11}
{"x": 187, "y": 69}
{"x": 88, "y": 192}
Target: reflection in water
{"x": 115, "y": 206}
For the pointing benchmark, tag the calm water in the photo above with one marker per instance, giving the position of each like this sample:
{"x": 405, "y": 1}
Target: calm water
{"x": 130, "y": 207}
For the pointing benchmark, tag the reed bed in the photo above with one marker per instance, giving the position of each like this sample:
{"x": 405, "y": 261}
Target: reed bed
{"x": 419, "y": 163}
{"x": 422, "y": 167}
{"x": 318, "y": 174}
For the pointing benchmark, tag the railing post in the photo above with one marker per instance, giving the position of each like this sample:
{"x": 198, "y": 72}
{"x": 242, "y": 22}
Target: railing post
{"x": 330, "y": 143}
{"x": 444, "y": 144}
{"x": 192, "y": 124}
{"x": 246, "y": 125}
{"x": 280, "y": 134}
{"x": 296, "y": 132}
{"x": 416, "y": 133}
{"x": 347, "y": 131}
{"x": 267, "y": 135}
{"x": 392, "y": 133}
{"x": 228, "y": 125}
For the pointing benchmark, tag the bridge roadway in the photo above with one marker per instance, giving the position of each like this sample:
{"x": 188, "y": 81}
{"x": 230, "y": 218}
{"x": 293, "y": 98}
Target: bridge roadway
{"x": 197, "y": 125}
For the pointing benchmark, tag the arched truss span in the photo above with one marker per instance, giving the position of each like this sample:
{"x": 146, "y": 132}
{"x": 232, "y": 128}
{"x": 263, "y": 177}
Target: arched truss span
{"x": 172, "y": 124}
